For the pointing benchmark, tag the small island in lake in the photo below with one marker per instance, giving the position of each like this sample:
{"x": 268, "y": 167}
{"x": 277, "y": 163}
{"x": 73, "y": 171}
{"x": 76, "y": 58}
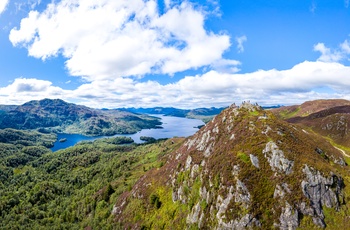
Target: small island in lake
{"x": 148, "y": 139}
{"x": 63, "y": 140}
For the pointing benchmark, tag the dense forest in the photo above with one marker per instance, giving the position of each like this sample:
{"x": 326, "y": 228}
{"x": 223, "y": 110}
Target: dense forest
{"x": 72, "y": 188}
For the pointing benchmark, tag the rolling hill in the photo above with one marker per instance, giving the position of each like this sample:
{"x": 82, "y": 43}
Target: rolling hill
{"x": 308, "y": 108}
{"x": 60, "y": 116}
{"x": 329, "y": 118}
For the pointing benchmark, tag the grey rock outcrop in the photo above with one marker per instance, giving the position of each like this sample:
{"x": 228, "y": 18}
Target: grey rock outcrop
{"x": 276, "y": 158}
{"x": 194, "y": 217}
{"x": 254, "y": 160}
{"x": 242, "y": 194}
{"x": 281, "y": 191}
{"x": 289, "y": 219}
{"x": 320, "y": 191}
{"x": 246, "y": 222}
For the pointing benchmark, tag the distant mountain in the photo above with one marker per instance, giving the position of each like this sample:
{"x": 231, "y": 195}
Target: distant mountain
{"x": 59, "y": 116}
{"x": 7, "y": 107}
{"x": 272, "y": 107}
{"x": 330, "y": 118}
{"x": 308, "y": 108}
{"x": 246, "y": 169}
{"x": 205, "y": 114}
{"x": 333, "y": 123}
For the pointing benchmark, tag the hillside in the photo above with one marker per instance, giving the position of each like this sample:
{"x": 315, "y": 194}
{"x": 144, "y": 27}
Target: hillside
{"x": 245, "y": 169}
{"x": 331, "y": 123}
{"x": 17, "y": 147}
{"x": 72, "y": 188}
{"x": 59, "y": 116}
{"x": 6, "y": 108}
{"x": 329, "y": 118}
{"x": 308, "y": 108}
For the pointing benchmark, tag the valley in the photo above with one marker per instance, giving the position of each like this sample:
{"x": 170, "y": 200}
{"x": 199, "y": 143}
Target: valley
{"x": 246, "y": 168}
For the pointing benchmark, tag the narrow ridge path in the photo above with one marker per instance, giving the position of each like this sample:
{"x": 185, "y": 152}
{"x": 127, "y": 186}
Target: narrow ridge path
{"x": 342, "y": 151}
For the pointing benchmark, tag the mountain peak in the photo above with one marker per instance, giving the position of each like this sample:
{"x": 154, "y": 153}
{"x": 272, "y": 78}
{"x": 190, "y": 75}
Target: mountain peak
{"x": 59, "y": 116}
{"x": 45, "y": 102}
{"x": 245, "y": 168}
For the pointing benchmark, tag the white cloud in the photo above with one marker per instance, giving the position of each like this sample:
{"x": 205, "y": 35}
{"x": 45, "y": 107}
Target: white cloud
{"x": 326, "y": 54}
{"x": 167, "y": 3}
{"x": 213, "y": 88}
{"x": 3, "y": 4}
{"x": 333, "y": 55}
{"x": 34, "y": 3}
{"x": 107, "y": 39}
{"x": 240, "y": 41}
{"x": 345, "y": 47}
{"x": 24, "y": 89}
{"x": 226, "y": 66}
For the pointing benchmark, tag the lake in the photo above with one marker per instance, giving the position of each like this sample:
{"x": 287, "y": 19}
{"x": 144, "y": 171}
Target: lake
{"x": 172, "y": 127}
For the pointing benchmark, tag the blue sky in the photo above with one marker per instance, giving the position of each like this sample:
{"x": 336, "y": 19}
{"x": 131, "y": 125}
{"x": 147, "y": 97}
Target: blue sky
{"x": 187, "y": 54}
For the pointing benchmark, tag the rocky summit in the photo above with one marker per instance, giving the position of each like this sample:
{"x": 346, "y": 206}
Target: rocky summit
{"x": 245, "y": 169}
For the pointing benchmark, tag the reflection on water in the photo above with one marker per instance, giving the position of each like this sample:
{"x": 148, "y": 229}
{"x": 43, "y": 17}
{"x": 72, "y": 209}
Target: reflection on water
{"x": 172, "y": 127}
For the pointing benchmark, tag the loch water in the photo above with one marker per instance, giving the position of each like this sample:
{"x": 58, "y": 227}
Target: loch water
{"x": 172, "y": 127}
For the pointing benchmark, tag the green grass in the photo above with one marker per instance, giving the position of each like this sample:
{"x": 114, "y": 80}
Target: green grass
{"x": 286, "y": 115}
{"x": 254, "y": 113}
{"x": 243, "y": 157}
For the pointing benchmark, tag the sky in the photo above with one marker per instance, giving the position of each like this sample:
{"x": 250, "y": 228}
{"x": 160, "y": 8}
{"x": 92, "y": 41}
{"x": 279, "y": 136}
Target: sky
{"x": 171, "y": 53}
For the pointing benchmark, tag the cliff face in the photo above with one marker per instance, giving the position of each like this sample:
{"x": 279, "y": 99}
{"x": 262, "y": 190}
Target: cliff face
{"x": 244, "y": 169}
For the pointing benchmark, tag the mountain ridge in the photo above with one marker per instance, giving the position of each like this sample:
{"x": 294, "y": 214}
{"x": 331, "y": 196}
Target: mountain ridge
{"x": 59, "y": 116}
{"x": 244, "y": 169}
{"x": 308, "y": 107}
{"x": 329, "y": 118}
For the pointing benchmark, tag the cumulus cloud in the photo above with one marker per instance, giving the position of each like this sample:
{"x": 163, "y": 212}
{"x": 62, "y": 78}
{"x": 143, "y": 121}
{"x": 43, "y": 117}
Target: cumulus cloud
{"x": 107, "y": 39}
{"x": 333, "y": 55}
{"x": 214, "y": 88}
{"x": 291, "y": 86}
{"x": 240, "y": 41}
{"x": 3, "y": 4}
{"x": 23, "y": 89}
{"x": 345, "y": 47}
{"x": 326, "y": 54}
